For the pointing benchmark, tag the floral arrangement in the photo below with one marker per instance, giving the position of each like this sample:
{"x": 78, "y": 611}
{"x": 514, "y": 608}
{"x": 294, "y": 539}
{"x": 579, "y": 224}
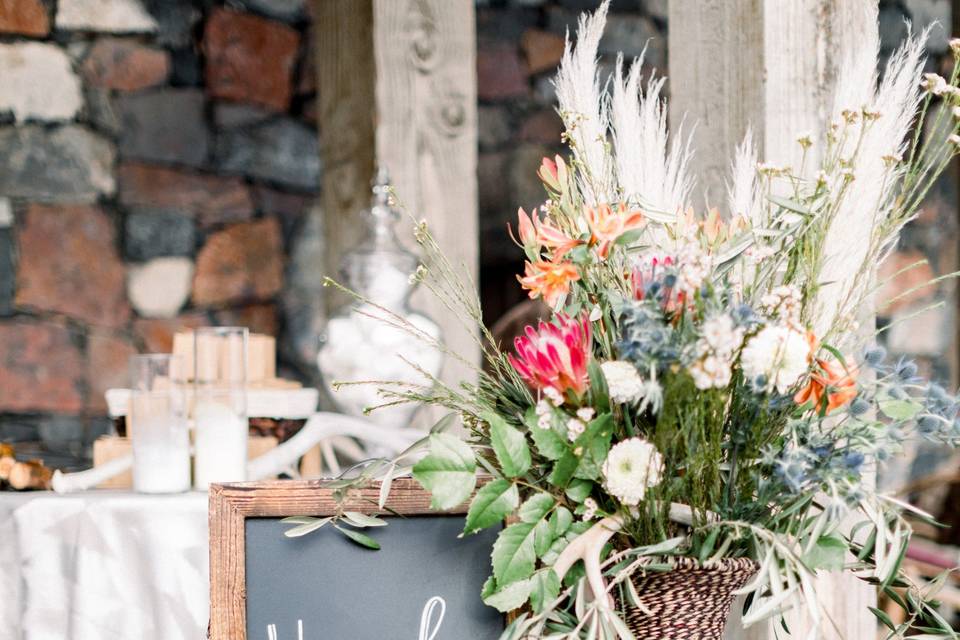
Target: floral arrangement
{"x": 704, "y": 387}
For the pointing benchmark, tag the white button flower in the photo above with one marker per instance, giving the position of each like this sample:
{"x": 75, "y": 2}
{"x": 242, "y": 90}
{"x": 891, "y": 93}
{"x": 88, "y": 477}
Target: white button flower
{"x": 623, "y": 381}
{"x": 630, "y": 468}
{"x": 776, "y": 358}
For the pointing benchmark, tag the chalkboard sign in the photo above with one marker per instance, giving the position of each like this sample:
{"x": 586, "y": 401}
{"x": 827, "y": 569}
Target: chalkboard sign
{"x": 424, "y": 582}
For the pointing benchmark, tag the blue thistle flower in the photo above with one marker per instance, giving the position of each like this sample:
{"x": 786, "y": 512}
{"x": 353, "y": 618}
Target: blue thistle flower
{"x": 859, "y": 407}
{"x": 874, "y": 356}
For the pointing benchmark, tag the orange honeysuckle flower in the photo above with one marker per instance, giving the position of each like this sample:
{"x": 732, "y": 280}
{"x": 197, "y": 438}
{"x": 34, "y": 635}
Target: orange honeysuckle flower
{"x": 607, "y": 224}
{"x": 548, "y": 280}
{"x": 528, "y": 233}
{"x": 536, "y": 234}
{"x": 838, "y": 380}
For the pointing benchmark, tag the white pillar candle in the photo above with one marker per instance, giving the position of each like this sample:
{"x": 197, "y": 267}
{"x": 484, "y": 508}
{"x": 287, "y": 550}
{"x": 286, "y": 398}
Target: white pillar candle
{"x": 220, "y": 444}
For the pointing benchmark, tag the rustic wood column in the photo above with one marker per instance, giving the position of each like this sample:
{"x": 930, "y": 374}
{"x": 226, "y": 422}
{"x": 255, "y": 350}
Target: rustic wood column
{"x": 398, "y": 88}
{"x": 772, "y": 66}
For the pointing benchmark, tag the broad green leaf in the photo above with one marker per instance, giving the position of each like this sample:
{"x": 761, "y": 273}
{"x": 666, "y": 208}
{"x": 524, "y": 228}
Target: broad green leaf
{"x": 560, "y": 521}
{"x": 595, "y": 443}
{"x": 448, "y": 472}
{"x": 360, "y": 538}
{"x": 358, "y": 519}
{"x": 544, "y": 590}
{"x": 305, "y": 526}
{"x": 509, "y": 445}
{"x": 489, "y": 588}
{"x": 493, "y": 502}
{"x": 579, "y": 490}
{"x": 563, "y": 469}
{"x": 513, "y": 553}
{"x": 628, "y": 238}
{"x": 828, "y": 553}
{"x": 509, "y": 597}
{"x": 536, "y": 507}
{"x": 549, "y": 443}
{"x": 542, "y": 538}
{"x": 899, "y": 409}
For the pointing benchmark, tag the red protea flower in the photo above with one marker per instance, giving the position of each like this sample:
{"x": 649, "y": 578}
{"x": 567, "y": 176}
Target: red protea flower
{"x": 555, "y": 355}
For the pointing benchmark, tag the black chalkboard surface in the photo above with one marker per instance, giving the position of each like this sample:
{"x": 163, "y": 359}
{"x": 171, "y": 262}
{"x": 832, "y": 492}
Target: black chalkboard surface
{"x": 341, "y": 591}
{"x": 423, "y": 584}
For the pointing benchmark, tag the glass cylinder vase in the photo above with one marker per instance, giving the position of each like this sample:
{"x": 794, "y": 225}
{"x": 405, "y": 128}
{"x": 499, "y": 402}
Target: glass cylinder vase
{"x": 220, "y": 405}
{"x": 158, "y": 424}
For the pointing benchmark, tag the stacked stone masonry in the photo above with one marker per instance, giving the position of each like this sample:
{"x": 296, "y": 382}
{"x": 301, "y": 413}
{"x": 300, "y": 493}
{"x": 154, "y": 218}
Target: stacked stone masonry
{"x": 160, "y": 160}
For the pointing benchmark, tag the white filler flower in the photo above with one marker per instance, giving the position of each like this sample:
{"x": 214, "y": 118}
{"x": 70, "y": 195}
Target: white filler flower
{"x": 623, "y": 382}
{"x": 778, "y": 356}
{"x": 631, "y": 467}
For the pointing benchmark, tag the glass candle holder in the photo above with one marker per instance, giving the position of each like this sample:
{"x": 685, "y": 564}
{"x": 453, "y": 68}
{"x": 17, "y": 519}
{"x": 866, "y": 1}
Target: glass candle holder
{"x": 220, "y": 405}
{"x": 158, "y": 424}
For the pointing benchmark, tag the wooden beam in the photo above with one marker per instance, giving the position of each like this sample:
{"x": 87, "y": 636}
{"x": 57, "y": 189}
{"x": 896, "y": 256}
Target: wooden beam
{"x": 398, "y": 89}
{"x": 772, "y": 66}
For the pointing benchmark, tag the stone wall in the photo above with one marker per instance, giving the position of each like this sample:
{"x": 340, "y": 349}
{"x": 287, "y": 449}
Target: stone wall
{"x": 158, "y": 161}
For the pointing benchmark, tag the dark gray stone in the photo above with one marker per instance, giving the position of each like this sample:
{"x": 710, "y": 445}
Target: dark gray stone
{"x": 62, "y": 434}
{"x": 281, "y": 151}
{"x": 505, "y": 25}
{"x": 591, "y": 5}
{"x": 7, "y": 271}
{"x": 625, "y": 33}
{"x": 164, "y": 126}
{"x": 100, "y": 110}
{"x": 176, "y": 20}
{"x": 893, "y": 27}
{"x": 18, "y": 429}
{"x": 60, "y": 164}
{"x": 932, "y": 12}
{"x": 526, "y": 189}
{"x": 493, "y": 127}
{"x": 186, "y": 70}
{"x": 286, "y": 10}
{"x": 227, "y": 115}
{"x": 152, "y": 234}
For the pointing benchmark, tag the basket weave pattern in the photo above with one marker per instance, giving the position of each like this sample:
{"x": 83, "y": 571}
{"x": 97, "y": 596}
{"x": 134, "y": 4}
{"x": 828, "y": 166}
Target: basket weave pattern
{"x": 691, "y": 602}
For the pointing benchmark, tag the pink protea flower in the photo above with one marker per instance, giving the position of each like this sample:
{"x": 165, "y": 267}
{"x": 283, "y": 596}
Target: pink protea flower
{"x": 555, "y": 355}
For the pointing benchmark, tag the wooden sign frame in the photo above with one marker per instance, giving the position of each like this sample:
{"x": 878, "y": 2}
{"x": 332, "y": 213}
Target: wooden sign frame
{"x": 232, "y": 504}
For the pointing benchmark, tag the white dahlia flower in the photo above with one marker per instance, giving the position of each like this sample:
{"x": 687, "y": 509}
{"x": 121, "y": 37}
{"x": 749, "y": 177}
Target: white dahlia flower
{"x": 631, "y": 467}
{"x": 623, "y": 381}
{"x": 776, "y": 358}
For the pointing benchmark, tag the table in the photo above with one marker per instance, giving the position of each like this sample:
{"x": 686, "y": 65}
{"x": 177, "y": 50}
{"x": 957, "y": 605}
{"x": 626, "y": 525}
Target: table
{"x": 100, "y": 565}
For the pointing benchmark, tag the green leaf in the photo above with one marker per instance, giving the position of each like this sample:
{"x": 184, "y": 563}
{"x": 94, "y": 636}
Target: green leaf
{"x": 595, "y": 442}
{"x": 307, "y": 525}
{"x": 789, "y": 205}
{"x": 629, "y": 237}
{"x": 545, "y": 587}
{"x": 549, "y": 443}
{"x": 828, "y": 553}
{"x": 579, "y": 490}
{"x": 883, "y": 617}
{"x": 707, "y": 548}
{"x": 563, "y": 469}
{"x": 509, "y": 597}
{"x": 598, "y": 388}
{"x": 536, "y": 507}
{"x": 448, "y": 472}
{"x": 358, "y": 519}
{"x": 513, "y": 553}
{"x": 560, "y": 521}
{"x": 360, "y": 538}
{"x": 899, "y": 409}
{"x": 542, "y": 538}
{"x": 493, "y": 502}
{"x": 509, "y": 445}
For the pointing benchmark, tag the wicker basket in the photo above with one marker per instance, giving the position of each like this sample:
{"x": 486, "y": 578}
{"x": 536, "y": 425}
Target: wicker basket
{"x": 691, "y": 602}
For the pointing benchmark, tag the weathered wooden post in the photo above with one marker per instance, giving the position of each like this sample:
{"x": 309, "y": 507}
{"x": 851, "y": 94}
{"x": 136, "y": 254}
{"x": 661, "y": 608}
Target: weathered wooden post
{"x": 772, "y": 66}
{"x": 398, "y": 88}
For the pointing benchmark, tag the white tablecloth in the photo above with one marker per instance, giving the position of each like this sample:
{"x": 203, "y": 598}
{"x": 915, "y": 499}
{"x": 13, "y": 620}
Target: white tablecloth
{"x": 102, "y": 565}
